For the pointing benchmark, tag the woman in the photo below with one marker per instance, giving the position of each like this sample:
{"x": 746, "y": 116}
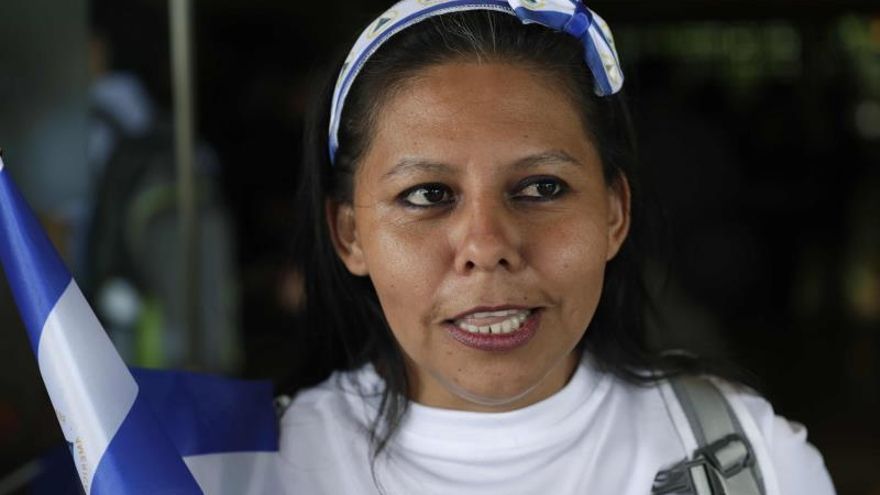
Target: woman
{"x": 471, "y": 250}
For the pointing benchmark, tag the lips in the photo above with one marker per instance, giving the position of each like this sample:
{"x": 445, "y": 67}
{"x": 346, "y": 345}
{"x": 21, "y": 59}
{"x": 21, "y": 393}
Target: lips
{"x": 493, "y": 322}
{"x": 495, "y": 329}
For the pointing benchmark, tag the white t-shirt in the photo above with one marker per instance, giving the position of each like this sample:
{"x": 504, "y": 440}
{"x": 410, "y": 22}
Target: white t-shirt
{"x": 597, "y": 435}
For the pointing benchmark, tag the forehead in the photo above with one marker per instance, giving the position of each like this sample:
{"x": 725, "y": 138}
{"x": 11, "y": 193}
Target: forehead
{"x": 462, "y": 111}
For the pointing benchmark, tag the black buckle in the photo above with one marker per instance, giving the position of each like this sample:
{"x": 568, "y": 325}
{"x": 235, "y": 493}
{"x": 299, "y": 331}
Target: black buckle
{"x": 723, "y": 458}
{"x": 678, "y": 479}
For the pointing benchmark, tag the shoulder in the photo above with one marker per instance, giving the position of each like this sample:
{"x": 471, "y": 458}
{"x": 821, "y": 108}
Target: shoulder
{"x": 324, "y": 436}
{"x": 329, "y": 418}
{"x": 346, "y": 396}
{"x": 787, "y": 458}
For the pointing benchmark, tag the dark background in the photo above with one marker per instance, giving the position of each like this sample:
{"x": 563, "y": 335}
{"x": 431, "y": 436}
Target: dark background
{"x": 759, "y": 127}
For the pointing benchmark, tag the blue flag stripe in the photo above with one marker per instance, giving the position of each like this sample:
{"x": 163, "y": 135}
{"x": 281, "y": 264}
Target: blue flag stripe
{"x": 35, "y": 272}
{"x": 125, "y": 469}
{"x": 204, "y": 414}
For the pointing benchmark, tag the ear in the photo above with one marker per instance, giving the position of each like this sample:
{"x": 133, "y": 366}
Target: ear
{"x": 618, "y": 214}
{"x": 340, "y": 220}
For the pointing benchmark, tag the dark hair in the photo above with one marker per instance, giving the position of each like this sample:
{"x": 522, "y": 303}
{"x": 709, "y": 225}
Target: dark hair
{"x": 346, "y": 326}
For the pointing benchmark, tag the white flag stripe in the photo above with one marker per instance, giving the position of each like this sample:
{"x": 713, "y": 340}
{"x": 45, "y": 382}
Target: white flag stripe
{"x": 609, "y": 59}
{"x": 78, "y": 361}
{"x": 239, "y": 473}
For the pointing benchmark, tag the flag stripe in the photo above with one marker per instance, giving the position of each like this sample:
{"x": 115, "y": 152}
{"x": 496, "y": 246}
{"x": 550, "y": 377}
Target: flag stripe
{"x": 35, "y": 272}
{"x": 248, "y": 473}
{"x": 77, "y": 360}
{"x": 204, "y": 414}
{"x": 125, "y": 469}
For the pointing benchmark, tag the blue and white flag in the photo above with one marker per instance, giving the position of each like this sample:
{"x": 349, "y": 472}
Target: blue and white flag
{"x": 572, "y": 17}
{"x": 144, "y": 433}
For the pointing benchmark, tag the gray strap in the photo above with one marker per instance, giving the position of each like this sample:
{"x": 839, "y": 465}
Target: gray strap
{"x": 724, "y": 463}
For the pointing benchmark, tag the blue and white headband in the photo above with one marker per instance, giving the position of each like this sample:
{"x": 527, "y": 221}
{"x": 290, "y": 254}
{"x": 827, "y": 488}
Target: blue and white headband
{"x": 569, "y": 16}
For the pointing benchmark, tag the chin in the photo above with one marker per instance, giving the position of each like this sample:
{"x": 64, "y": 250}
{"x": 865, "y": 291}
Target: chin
{"x": 495, "y": 396}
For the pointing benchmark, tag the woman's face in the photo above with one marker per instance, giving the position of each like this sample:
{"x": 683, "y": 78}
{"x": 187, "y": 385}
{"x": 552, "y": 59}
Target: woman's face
{"x": 483, "y": 219}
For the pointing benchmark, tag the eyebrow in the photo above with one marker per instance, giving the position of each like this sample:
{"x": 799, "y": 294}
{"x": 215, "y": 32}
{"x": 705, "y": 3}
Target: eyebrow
{"x": 409, "y": 166}
{"x": 547, "y": 157}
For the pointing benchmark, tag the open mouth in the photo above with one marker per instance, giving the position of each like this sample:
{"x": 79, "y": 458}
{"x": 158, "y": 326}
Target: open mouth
{"x": 497, "y": 330}
{"x": 494, "y": 322}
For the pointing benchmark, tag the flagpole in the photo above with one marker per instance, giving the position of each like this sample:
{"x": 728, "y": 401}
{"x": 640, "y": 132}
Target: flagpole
{"x": 180, "y": 19}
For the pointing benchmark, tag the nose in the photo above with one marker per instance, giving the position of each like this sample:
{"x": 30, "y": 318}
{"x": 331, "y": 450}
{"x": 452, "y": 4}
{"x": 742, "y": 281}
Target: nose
{"x": 487, "y": 239}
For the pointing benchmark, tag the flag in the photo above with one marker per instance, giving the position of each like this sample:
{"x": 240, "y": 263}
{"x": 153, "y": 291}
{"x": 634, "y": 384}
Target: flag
{"x": 129, "y": 434}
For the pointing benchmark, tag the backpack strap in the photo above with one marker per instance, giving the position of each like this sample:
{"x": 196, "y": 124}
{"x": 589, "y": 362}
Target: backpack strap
{"x": 724, "y": 463}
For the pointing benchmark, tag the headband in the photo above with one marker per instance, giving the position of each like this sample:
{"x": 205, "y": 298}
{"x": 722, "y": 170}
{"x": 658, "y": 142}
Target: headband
{"x": 569, "y": 16}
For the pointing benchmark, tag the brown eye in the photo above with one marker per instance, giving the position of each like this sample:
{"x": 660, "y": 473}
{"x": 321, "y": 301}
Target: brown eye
{"x": 545, "y": 188}
{"x": 427, "y": 195}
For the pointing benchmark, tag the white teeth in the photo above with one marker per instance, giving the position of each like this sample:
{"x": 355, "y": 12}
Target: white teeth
{"x": 513, "y": 323}
{"x": 497, "y": 314}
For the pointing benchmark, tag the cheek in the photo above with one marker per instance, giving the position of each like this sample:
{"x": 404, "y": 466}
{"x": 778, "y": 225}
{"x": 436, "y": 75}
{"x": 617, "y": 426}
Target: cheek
{"x": 574, "y": 241}
{"x": 573, "y": 259}
{"x": 406, "y": 266}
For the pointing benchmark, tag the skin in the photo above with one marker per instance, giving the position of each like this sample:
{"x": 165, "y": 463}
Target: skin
{"x": 516, "y": 212}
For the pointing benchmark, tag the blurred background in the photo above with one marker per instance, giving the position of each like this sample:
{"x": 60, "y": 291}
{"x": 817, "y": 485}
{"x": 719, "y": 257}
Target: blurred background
{"x": 759, "y": 128}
